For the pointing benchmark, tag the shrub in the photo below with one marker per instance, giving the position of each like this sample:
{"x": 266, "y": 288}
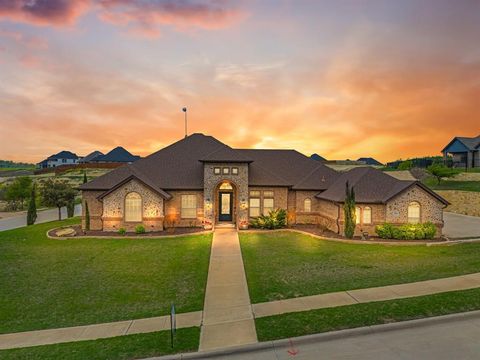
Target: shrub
{"x": 407, "y": 231}
{"x": 140, "y": 229}
{"x": 122, "y": 231}
{"x": 32, "y": 208}
{"x": 87, "y": 217}
{"x": 274, "y": 220}
{"x": 71, "y": 208}
{"x": 349, "y": 211}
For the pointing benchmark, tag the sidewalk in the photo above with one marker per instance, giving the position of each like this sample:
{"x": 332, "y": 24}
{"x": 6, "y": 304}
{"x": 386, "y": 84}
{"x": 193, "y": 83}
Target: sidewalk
{"x": 227, "y": 317}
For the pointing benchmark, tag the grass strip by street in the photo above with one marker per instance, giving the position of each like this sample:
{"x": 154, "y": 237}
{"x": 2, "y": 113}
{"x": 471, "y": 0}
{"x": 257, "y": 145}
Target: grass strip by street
{"x": 283, "y": 265}
{"x": 118, "y": 348}
{"x": 359, "y": 315}
{"x": 61, "y": 283}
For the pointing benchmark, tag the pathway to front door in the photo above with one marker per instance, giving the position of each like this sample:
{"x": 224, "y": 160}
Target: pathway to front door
{"x": 227, "y": 315}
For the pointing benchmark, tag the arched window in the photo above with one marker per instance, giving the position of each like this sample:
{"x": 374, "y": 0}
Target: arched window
{"x": 367, "y": 215}
{"x": 414, "y": 212}
{"x": 357, "y": 215}
{"x": 307, "y": 205}
{"x": 133, "y": 207}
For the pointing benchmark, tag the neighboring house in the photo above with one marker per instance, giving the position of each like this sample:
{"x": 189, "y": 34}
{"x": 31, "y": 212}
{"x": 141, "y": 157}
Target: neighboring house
{"x": 90, "y": 157}
{"x": 370, "y": 161}
{"x": 464, "y": 150}
{"x": 318, "y": 157}
{"x": 199, "y": 181}
{"x": 62, "y": 158}
{"x": 117, "y": 155}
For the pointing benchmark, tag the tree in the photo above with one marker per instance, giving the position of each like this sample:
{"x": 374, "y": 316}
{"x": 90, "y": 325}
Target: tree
{"x": 440, "y": 171}
{"x": 87, "y": 217}
{"x": 19, "y": 191}
{"x": 32, "y": 208}
{"x": 349, "y": 211}
{"x": 71, "y": 208}
{"x": 405, "y": 165}
{"x": 85, "y": 180}
{"x": 57, "y": 194}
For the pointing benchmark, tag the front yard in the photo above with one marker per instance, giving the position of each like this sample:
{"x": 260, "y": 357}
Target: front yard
{"x": 281, "y": 265}
{"x": 58, "y": 283}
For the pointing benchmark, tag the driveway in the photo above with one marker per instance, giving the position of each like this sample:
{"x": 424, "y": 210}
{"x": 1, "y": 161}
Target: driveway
{"x": 15, "y": 222}
{"x": 461, "y": 226}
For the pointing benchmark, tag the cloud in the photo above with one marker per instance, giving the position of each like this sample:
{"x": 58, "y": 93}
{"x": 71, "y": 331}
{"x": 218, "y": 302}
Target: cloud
{"x": 142, "y": 17}
{"x": 43, "y": 12}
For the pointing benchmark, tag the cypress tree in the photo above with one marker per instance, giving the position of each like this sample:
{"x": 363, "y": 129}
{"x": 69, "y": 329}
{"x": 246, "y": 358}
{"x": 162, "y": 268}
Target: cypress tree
{"x": 71, "y": 208}
{"x": 85, "y": 177}
{"x": 87, "y": 217}
{"x": 32, "y": 208}
{"x": 349, "y": 211}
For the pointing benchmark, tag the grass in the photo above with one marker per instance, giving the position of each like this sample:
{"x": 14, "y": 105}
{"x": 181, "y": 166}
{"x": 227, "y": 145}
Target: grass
{"x": 281, "y": 265}
{"x": 452, "y": 185}
{"x": 58, "y": 283}
{"x": 118, "y": 348}
{"x": 352, "y": 316}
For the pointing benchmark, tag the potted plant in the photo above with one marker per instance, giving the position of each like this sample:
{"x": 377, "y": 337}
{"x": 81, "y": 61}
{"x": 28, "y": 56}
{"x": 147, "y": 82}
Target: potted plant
{"x": 207, "y": 224}
{"x": 243, "y": 225}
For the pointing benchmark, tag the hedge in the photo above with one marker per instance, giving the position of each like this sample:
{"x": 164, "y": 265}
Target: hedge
{"x": 407, "y": 231}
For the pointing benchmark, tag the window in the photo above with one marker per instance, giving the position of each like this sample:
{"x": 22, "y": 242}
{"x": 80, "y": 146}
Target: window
{"x": 225, "y": 171}
{"x": 367, "y": 215}
{"x": 414, "y": 212}
{"x": 254, "y": 207}
{"x": 64, "y": 160}
{"x": 216, "y": 170}
{"x": 255, "y": 193}
{"x": 189, "y": 207}
{"x": 235, "y": 171}
{"x": 226, "y": 186}
{"x": 268, "y": 193}
{"x": 133, "y": 207}
{"x": 267, "y": 205}
{"x": 357, "y": 215}
{"x": 307, "y": 205}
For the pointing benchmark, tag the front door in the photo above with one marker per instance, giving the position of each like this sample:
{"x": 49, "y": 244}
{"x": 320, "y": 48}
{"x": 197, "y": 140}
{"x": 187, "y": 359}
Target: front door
{"x": 225, "y": 206}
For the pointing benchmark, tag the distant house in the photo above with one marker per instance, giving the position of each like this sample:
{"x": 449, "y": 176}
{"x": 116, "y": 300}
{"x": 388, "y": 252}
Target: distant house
{"x": 318, "y": 157}
{"x": 90, "y": 157}
{"x": 119, "y": 154}
{"x": 370, "y": 161}
{"x": 464, "y": 150}
{"x": 62, "y": 158}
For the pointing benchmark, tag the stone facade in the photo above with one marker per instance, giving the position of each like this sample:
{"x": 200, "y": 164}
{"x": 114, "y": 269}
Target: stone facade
{"x": 280, "y": 196}
{"x": 239, "y": 183}
{"x": 114, "y": 208}
{"x": 95, "y": 208}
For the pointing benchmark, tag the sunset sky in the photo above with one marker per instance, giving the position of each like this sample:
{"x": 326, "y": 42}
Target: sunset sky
{"x": 345, "y": 79}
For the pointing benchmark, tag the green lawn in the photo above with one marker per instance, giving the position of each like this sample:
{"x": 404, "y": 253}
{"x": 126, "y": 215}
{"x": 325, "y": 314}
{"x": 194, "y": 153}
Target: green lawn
{"x": 118, "y": 348}
{"x": 352, "y": 316}
{"x": 452, "y": 185}
{"x": 281, "y": 265}
{"x": 57, "y": 283}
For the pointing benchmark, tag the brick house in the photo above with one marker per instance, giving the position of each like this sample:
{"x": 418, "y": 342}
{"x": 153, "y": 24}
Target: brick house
{"x": 199, "y": 181}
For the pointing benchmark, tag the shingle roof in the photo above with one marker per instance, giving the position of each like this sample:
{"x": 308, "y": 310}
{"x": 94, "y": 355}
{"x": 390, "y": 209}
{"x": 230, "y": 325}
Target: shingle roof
{"x": 63, "y": 155}
{"x": 472, "y": 143}
{"x": 226, "y": 154}
{"x": 91, "y": 157}
{"x": 370, "y": 161}
{"x": 318, "y": 157}
{"x": 371, "y": 186}
{"x": 119, "y": 154}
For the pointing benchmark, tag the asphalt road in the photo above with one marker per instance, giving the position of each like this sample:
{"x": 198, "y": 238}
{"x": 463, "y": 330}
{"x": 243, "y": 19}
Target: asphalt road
{"x": 454, "y": 339}
{"x": 42, "y": 216}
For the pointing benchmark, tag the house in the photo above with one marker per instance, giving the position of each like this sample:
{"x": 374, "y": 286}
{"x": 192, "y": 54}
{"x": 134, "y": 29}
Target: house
{"x": 62, "y": 158}
{"x": 370, "y": 161}
{"x": 117, "y": 155}
{"x": 464, "y": 150}
{"x": 318, "y": 157}
{"x": 200, "y": 181}
{"x": 90, "y": 157}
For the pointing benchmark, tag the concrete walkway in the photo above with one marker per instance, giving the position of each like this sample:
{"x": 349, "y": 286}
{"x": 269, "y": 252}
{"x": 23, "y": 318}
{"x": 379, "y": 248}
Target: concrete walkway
{"x": 383, "y": 293}
{"x": 227, "y": 315}
{"x": 97, "y": 331}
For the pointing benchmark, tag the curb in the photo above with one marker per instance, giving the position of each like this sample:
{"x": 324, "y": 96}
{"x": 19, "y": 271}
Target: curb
{"x": 323, "y": 337}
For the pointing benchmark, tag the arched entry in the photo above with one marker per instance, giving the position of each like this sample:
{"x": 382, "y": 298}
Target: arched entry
{"x": 225, "y": 204}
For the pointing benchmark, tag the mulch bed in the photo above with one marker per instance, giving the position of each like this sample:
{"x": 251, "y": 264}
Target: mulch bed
{"x": 114, "y": 234}
{"x": 315, "y": 230}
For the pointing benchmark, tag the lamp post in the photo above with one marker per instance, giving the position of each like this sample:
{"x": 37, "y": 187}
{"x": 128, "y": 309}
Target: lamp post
{"x": 185, "y": 111}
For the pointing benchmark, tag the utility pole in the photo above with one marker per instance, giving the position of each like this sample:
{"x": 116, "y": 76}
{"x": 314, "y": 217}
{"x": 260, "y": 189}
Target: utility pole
{"x": 185, "y": 111}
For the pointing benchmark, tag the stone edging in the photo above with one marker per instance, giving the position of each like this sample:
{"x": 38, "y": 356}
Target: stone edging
{"x": 323, "y": 337}
{"x": 358, "y": 242}
{"x": 121, "y": 237}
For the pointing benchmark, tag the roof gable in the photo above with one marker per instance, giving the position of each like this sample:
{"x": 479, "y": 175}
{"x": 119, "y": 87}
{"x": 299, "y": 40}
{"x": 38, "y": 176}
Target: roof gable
{"x": 118, "y": 154}
{"x": 63, "y": 155}
{"x": 462, "y": 144}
